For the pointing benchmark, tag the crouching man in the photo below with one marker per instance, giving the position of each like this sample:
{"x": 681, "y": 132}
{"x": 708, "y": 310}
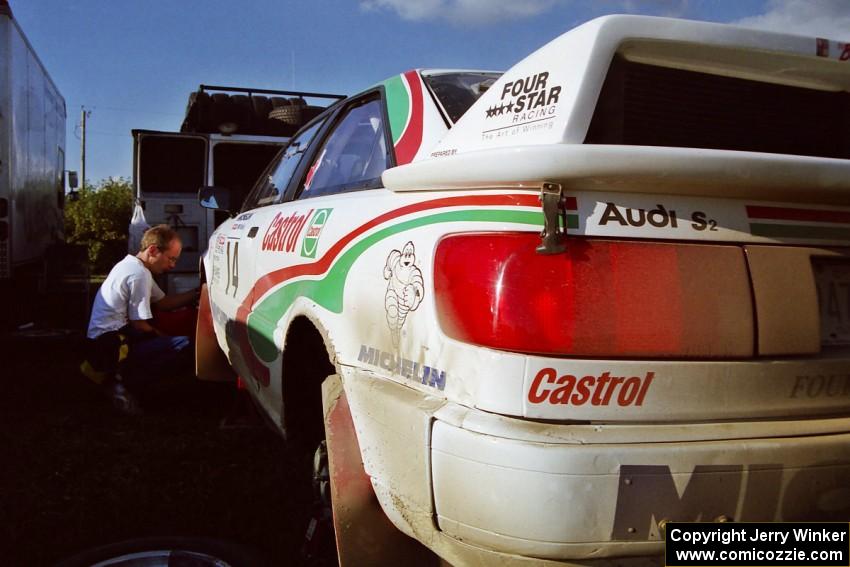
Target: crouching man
{"x": 124, "y": 348}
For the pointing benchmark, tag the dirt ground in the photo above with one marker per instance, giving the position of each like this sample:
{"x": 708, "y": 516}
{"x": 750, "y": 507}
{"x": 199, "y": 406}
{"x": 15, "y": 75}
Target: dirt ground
{"x": 74, "y": 474}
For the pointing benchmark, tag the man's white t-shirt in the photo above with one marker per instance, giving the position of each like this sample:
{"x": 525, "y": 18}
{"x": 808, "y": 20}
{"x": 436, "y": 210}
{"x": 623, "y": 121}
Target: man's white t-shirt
{"x": 126, "y": 295}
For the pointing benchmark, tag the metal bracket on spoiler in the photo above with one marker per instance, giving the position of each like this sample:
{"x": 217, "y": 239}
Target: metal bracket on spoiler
{"x": 553, "y": 237}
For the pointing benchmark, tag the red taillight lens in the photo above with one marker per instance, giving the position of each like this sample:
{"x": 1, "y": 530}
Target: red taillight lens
{"x": 600, "y": 298}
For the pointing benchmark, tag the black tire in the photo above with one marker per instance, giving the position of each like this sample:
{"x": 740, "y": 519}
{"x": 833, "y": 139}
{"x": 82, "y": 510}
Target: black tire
{"x": 275, "y": 127}
{"x": 278, "y": 101}
{"x": 168, "y": 551}
{"x": 197, "y": 111}
{"x": 322, "y": 475}
{"x": 290, "y": 114}
{"x": 223, "y": 114}
{"x": 261, "y": 108}
{"x": 319, "y": 548}
{"x": 220, "y": 99}
{"x": 243, "y": 113}
{"x": 262, "y": 105}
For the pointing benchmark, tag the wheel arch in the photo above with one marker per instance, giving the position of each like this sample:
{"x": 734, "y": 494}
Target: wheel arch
{"x": 307, "y": 358}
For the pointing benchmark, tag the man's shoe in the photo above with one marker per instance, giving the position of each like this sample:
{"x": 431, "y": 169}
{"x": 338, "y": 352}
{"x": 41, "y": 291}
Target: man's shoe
{"x": 122, "y": 400}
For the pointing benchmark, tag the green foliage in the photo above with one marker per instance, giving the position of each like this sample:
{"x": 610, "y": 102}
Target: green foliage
{"x": 99, "y": 219}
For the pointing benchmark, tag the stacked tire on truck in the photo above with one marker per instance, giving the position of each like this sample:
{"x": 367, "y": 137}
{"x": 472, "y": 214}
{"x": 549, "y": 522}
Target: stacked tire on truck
{"x": 242, "y": 113}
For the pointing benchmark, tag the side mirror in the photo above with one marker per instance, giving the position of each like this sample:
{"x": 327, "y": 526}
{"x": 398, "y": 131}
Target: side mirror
{"x": 73, "y": 196}
{"x": 217, "y": 198}
{"x": 73, "y": 182}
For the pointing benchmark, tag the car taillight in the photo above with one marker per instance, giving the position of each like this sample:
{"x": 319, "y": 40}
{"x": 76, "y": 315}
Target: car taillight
{"x": 600, "y": 298}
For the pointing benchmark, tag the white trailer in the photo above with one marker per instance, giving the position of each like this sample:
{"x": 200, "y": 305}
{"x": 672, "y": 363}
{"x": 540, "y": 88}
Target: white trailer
{"x": 32, "y": 165}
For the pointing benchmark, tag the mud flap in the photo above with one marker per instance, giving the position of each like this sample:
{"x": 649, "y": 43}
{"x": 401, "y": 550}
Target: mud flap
{"x": 364, "y": 534}
{"x": 210, "y": 362}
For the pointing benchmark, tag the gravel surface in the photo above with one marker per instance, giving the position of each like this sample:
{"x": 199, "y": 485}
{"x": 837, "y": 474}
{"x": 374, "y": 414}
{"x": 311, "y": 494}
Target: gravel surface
{"x": 75, "y": 474}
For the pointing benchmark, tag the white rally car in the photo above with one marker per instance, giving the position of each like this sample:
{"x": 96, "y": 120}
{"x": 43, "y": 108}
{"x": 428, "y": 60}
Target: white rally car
{"x": 540, "y": 314}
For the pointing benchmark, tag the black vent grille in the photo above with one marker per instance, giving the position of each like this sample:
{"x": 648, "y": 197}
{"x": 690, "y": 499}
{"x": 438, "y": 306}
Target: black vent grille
{"x": 646, "y": 105}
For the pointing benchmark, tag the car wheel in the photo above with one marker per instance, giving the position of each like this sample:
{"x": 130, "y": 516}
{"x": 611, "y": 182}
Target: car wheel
{"x": 319, "y": 549}
{"x": 168, "y": 552}
{"x": 322, "y": 475}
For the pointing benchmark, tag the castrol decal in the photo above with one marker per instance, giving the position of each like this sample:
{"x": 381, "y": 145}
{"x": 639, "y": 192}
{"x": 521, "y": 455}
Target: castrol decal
{"x": 603, "y": 390}
{"x": 283, "y": 232}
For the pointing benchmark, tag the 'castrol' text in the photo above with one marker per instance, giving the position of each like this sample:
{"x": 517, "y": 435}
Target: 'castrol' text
{"x": 548, "y": 387}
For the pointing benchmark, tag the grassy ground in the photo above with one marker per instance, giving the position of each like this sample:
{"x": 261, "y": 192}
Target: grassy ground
{"x": 74, "y": 474}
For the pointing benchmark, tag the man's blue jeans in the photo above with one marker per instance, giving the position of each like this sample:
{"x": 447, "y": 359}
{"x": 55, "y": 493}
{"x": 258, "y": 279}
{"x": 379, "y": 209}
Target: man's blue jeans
{"x": 151, "y": 356}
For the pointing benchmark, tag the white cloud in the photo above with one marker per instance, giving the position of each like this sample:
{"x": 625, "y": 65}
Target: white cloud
{"x": 815, "y": 18}
{"x": 460, "y": 11}
{"x": 667, "y": 8}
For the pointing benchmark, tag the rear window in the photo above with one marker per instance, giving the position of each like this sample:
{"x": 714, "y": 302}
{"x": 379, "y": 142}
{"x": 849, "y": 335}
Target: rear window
{"x": 458, "y": 91}
{"x": 648, "y": 105}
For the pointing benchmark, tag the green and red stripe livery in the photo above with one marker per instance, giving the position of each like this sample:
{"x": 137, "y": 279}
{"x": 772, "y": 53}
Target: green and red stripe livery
{"x": 817, "y": 224}
{"x": 405, "y": 107}
{"x": 264, "y": 305}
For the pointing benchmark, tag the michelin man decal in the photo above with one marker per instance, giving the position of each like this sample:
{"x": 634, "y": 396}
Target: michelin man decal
{"x": 405, "y": 289}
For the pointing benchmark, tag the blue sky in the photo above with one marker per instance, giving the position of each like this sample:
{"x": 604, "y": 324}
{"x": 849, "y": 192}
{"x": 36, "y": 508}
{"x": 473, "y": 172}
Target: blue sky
{"x": 133, "y": 63}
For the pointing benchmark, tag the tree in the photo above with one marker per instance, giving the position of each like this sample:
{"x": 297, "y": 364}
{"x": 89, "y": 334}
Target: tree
{"x": 99, "y": 219}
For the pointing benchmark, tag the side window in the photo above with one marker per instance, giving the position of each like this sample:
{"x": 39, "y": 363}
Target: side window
{"x": 272, "y": 185}
{"x": 354, "y": 154}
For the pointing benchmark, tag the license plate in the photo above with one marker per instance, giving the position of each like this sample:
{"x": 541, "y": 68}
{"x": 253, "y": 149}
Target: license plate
{"x": 833, "y": 284}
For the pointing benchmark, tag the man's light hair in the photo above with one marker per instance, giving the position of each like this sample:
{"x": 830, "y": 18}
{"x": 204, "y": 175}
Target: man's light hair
{"x": 160, "y": 236}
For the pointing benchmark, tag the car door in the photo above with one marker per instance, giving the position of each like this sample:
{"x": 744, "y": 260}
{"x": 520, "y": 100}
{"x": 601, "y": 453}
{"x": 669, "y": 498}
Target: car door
{"x": 265, "y": 225}
{"x": 289, "y": 245}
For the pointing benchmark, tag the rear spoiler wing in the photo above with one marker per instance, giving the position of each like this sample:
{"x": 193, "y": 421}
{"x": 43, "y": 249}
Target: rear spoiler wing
{"x": 635, "y": 169}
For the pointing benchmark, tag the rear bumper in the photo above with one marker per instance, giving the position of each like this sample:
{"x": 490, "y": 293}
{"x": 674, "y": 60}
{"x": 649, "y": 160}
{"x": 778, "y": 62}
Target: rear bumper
{"x": 479, "y": 488}
{"x": 560, "y": 500}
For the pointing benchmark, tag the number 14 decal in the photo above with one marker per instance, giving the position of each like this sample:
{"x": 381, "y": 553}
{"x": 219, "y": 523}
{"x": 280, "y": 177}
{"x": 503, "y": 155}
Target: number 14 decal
{"x": 232, "y": 268}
